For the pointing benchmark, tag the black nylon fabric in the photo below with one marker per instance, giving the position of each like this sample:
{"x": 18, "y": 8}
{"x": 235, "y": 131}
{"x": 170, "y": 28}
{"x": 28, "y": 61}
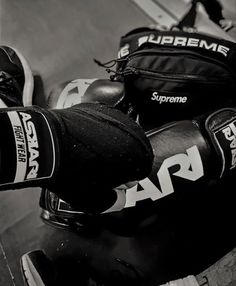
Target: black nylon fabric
{"x": 176, "y": 75}
{"x": 101, "y": 149}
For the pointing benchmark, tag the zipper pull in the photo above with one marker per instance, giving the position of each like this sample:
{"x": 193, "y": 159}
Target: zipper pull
{"x": 131, "y": 71}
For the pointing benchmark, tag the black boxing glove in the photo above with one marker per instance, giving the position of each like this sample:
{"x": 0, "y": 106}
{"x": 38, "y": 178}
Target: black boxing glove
{"x": 188, "y": 155}
{"x": 65, "y": 95}
{"x": 83, "y": 90}
{"x": 80, "y": 153}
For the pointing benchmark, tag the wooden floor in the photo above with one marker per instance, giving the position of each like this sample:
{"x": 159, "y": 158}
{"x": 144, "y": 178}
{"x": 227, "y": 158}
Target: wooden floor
{"x": 60, "y": 39}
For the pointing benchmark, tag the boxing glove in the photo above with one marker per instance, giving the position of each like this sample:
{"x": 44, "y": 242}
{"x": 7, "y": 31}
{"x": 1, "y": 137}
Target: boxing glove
{"x": 80, "y": 90}
{"x": 87, "y": 149}
{"x": 55, "y": 210}
{"x": 188, "y": 156}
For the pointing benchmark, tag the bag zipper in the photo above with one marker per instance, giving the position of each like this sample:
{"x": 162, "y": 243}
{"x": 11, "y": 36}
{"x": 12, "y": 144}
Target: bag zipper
{"x": 177, "y": 77}
{"x": 152, "y": 52}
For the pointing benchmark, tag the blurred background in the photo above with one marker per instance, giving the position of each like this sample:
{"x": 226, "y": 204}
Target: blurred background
{"x": 60, "y": 39}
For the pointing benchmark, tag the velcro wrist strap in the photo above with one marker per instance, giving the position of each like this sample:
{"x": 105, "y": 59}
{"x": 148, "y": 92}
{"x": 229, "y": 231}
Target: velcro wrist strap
{"x": 27, "y": 147}
{"x": 221, "y": 127}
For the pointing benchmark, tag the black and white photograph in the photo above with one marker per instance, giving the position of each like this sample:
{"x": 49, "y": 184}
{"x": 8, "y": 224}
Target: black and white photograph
{"x": 118, "y": 142}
